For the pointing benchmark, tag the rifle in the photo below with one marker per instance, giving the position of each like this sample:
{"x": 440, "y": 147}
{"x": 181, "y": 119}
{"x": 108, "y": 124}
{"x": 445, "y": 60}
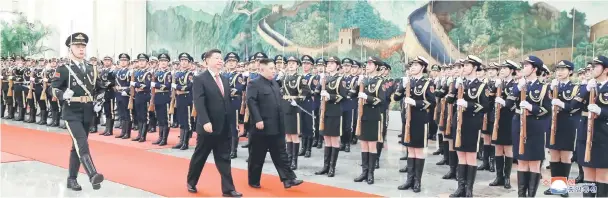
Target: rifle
{"x": 459, "y": 118}
{"x": 408, "y": 113}
{"x": 30, "y": 93}
{"x": 522, "y": 122}
{"x": 10, "y": 84}
{"x": 244, "y": 108}
{"x": 554, "y": 112}
{"x": 173, "y": 95}
{"x": 323, "y": 103}
{"x": 360, "y": 107}
{"x": 132, "y": 90}
{"x": 497, "y": 114}
{"x": 590, "y": 121}
{"x": 44, "y": 86}
{"x": 151, "y": 107}
{"x": 448, "y": 123}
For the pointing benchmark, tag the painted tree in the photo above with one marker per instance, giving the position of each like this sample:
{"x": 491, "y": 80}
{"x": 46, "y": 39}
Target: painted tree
{"x": 21, "y": 37}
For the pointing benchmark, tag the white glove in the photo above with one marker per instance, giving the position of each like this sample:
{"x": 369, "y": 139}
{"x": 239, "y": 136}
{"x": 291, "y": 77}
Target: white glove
{"x": 584, "y": 82}
{"x": 362, "y": 95}
{"x": 462, "y": 103}
{"x": 410, "y": 101}
{"x": 520, "y": 83}
{"x": 594, "y": 108}
{"x": 459, "y": 82}
{"x": 591, "y": 84}
{"x": 45, "y": 79}
{"x": 173, "y": 85}
{"x": 558, "y": 102}
{"x": 324, "y": 94}
{"x": 1, "y": 77}
{"x": 360, "y": 79}
{"x": 153, "y": 84}
{"x": 32, "y": 79}
{"x": 406, "y": 80}
{"x": 498, "y": 82}
{"x": 500, "y": 101}
{"x": 67, "y": 95}
{"x": 132, "y": 84}
{"x": 321, "y": 76}
{"x": 123, "y": 93}
{"x": 246, "y": 74}
{"x": 294, "y": 103}
{"x": 526, "y": 105}
{"x": 436, "y": 81}
{"x": 97, "y": 108}
{"x": 554, "y": 83}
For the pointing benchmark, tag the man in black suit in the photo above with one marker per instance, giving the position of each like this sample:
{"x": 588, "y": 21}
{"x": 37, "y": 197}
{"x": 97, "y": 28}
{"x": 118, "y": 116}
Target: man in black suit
{"x": 264, "y": 99}
{"x": 211, "y": 95}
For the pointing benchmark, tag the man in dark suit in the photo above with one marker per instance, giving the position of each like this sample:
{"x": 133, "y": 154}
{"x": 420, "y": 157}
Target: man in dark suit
{"x": 263, "y": 99}
{"x": 211, "y": 95}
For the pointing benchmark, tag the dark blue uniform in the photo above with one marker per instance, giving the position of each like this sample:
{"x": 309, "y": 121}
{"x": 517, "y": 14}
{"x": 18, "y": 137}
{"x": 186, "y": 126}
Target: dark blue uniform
{"x": 567, "y": 119}
{"x": 183, "y": 86}
{"x": 537, "y": 95}
{"x": 162, "y": 100}
{"x": 109, "y": 80}
{"x": 600, "y": 132}
{"x": 348, "y": 113}
{"x": 122, "y": 101}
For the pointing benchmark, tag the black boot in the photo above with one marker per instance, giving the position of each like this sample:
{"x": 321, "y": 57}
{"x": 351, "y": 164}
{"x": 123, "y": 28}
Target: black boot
{"x": 418, "y": 168}
{"x": 294, "y": 159}
{"x": 602, "y": 189}
{"x": 315, "y": 141}
{"x": 21, "y": 115}
{"x": 507, "y": 172}
{"x": 523, "y": 178}
{"x": 128, "y": 130}
{"x": 347, "y": 147}
{"x": 471, "y": 174}
{"x": 379, "y": 147}
{"x": 453, "y": 158}
{"x": 234, "y": 145}
{"x": 123, "y": 129}
{"x": 491, "y": 159}
{"x": 364, "y": 167}
{"x": 109, "y": 128}
{"x": 407, "y": 167}
{"x": 409, "y": 181}
{"x": 163, "y": 142}
{"x": 370, "y": 170}
{"x": 10, "y": 111}
{"x": 320, "y": 142}
{"x": 581, "y": 174}
{"x": 43, "y": 117}
{"x": 32, "y": 116}
{"x": 289, "y": 149}
{"x": 118, "y": 126}
{"x": 333, "y": 162}
{"x": 186, "y": 140}
{"x": 533, "y": 184}
{"x": 73, "y": 185}
{"x": 89, "y": 167}
{"x": 182, "y": 136}
{"x": 461, "y": 171}
{"x": 555, "y": 168}
{"x": 485, "y": 165}
{"x": 144, "y": 132}
{"x": 481, "y": 150}
{"x": 445, "y": 152}
{"x": 303, "y": 150}
{"x": 439, "y": 146}
{"x": 308, "y": 147}
{"x": 354, "y": 139}
{"x": 500, "y": 177}
{"x": 161, "y": 133}
{"x": 139, "y": 133}
{"x": 326, "y": 159}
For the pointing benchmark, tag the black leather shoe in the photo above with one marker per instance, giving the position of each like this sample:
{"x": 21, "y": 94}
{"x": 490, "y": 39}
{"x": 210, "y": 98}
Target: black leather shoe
{"x": 255, "y": 185}
{"x": 192, "y": 188}
{"x": 292, "y": 182}
{"x": 73, "y": 185}
{"x": 232, "y": 194}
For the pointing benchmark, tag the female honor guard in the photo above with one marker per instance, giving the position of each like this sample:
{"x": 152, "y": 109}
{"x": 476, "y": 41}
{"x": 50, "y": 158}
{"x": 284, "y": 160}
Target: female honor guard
{"x": 584, "y": 75}
{"x": 490, "y": 77}
{"x": 502, "y": 115}
{"x": 419, "y": 101}
{"x": 471, "y": 103}
{"x": 331, "y": 115}
{"x": 560, "y": 140}
{"x": 448, "y": 136}
{"x": 371, "y": 121}
{"x": 536, "y": 107}
{"x": 591, "y": 146}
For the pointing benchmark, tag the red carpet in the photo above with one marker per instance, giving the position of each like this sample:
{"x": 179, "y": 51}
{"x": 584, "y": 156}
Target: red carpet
{"x": 157, "y": 173}
{"x": 7, "y": 157}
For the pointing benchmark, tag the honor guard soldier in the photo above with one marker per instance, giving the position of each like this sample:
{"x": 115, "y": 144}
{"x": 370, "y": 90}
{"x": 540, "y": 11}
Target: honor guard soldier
{"x": 564, "y": 123}
{"x": 77, "y": 84}
{"x": 162, "y": 97}
{"x": 142, "y": 96}
{"x": 251, "y": 75}
{"x": 319, "y": 66}
{"x": 19, "y": 87}
{"x": 109, "y": 80}
{"x": 487, "y": 153}
{"x": 389, "y": 89}
{"x": 237, "y": 87}
{"x": 123, "y": 77}
{"x": 356, "y": 74}
{"x": 333, "y": 94}
{"x": 53, "y": 102}
{"x": 39, "y": 88}
{"x": 307, "y": 122}
{"x": 583, "y": 76}
{"x": 501, "y": 118}
{"x": 280, "y": 62}
{"x": 537, "y": 108}
{"x": 369, "y": 117}
{"x": 469, "y": 109}
{"x": 4, "y": 68}
{"x": 348, "y": 105}
{"x": 152, "y": 67}
{"x": 182, "y": 86}
{"x": 7, "y": 89}
{"x": 29, "y": 76}
{"x": 591, "y": 144}
{"x": 441, "y": 86}
{"x": 418, "y": 103}
{"x": 434, "y": 110}
{"x": 453, "y": 71}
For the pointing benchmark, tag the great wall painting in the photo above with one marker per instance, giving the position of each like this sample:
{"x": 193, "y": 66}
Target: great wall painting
{"x": 441, "y": 31}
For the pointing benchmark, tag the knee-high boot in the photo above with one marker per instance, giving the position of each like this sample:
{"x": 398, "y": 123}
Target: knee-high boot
{"x": 418, "y": 168}
{"x": 485, "y": 165}
{"x": 523, "y": 179}
{"x": 289, "y": 148}
{"x": 333, "y": 162}
{"x": 109, "y": 128}
{"x": 445, "y": 152}
{"x": 294, "y": 154}
{"x": 182, "y": 136}
{"x": 471, "y": 174}
{"x": 326, "y": 159}
{"x": 308, "y": 147}
{"x": 533, "y": 184}
{"x": 409, "y": 182}
{"x": 461, "y": 172}
{"x": 160, "y": 135}
{"x": 364, "y": 167}
{"x": 379, "y": 147}
{"x": 500, "y": 177}
{"x": 370, "y": 171}
{"x": 507, "y": 172}
{"x": 163, "y": 142}
{"x": 453, "y": 159}
{"x": 303, "y": 150}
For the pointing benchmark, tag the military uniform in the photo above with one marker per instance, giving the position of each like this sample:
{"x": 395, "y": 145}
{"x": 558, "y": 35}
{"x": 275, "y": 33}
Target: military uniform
{"x": 348, "y": 108}
{"x": 109, "y": 80}
{"x": 237, "y": 88}
{"x": 182, "y": 87}
{"x": 41, "y": 104}
{"x": 123, "y": 77}
{"x": 54, "y": 103}
{"x": 316, "y": 86}
{"x": 18, "y": 91}
{"x": 78, "y": 84}
{"x": 307, "y": 124}
{"x": 8, "y": 87}
{"x": 162, "y": 80}
{"x": 142, "y": 98}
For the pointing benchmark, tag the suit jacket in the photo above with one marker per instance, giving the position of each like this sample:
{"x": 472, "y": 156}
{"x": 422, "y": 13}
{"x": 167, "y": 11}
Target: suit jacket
{"x": 264, "y": 99}
{"x": 210, "y": 105}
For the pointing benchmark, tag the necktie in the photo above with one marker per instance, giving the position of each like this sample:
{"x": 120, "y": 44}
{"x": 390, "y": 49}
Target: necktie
{"x": 81, "y": 66}
{"x": 219, "y": 84}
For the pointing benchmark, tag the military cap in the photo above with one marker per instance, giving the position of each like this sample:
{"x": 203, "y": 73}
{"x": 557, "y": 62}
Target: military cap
{"x": 320, "y": 62}
{"x": 153, "y": 58}
{"x": 77, "y": 38}
{"x": 232, "y": 56}
{"x": 435, "y": 68}
{"x": 511, "y": 65}
{"x": 202, "y": 56}
{"x": 565, "y": 64}
{"x": 347, "y": 61}
{"x": 458, "y": 63}
{"x": 3, "y": 58}
{"x": 375, "y": 60}
{"x": 308, "y": 59}
{"x": 476, "y": 61}
{"x": 545, "y": 70}
{"x": 192, "y": 59}
{"x": 534, "y": 61}
{"x": 294, "y": 59}
{"x": 260, "y": 55}
{"x": 354, "y": 64}
{"x": 184, "y": 56}
{"x": 334, "y": 59}
{"x": 53, "y": 60}
{"x": 388, "y": 67}
{"x": 164, "y": 56}
{"x": 280, "y": 59}
{"x": 175, "y": 62}
{"x": 580, "y": 70}
{"x": 107, "y": 58}
{"x": 41, "y": 60}
{"x": 124, "y": 56}
{"x": 601, "y": 60}
{"x": 421, "y": 60}
{"x": 252, "y": 58}
{"x": 143, "y": 56}
{"x": 492, "y": 65}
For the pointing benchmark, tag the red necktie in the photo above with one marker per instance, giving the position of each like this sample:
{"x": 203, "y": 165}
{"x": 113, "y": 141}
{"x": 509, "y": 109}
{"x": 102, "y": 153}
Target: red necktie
{"x": 219, "y": 84}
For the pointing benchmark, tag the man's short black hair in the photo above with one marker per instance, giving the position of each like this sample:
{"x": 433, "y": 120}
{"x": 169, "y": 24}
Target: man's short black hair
{"x": 211, "y": 52}
{"x": 265, "y": 61}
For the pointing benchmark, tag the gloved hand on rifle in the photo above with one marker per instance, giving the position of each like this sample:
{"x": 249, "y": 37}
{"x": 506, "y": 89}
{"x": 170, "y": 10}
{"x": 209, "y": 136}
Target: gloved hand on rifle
{"x": 294, "y": 103}
{"x": 526, "y": 105}
{"x": 409, "y": 101}
{"x": 594, "y": 108}
{"x": 463, "y": 103}
{"x": 500, "y": 101}
{"x": 558, "y": 102}
{"x": 591, "y": 84}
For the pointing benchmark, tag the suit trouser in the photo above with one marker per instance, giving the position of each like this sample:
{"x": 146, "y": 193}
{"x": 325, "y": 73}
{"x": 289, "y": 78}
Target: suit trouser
{"x": 347, "y": 126}
{"x": 220, "y": 146}
{"x": 275, "y": 144}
